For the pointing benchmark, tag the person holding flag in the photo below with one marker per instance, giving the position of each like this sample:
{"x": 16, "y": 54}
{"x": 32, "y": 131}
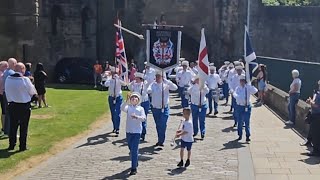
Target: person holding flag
{"x": 115, "y": 98}
{"x": 160, "y": 90}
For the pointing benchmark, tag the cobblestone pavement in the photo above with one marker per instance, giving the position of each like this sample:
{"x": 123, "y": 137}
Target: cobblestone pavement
{"x": 102, "y": 156}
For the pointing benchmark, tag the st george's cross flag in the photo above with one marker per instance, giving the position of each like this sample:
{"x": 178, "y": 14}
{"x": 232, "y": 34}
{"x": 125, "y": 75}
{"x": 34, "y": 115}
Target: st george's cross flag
{"x": 249, "y": 56}
{"x": 121, "y": 58}
{"x": 203, "y": 65}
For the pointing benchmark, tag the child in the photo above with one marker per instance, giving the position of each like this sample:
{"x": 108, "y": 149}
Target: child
{"x": 135, "y": 117}
{"x": 186, "y": 134}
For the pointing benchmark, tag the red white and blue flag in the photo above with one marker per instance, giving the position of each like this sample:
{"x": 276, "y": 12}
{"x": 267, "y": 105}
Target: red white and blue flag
{"x": 120, "y": 56}
{"x": 203, "y": 65}
{"x": 249, "y": 56}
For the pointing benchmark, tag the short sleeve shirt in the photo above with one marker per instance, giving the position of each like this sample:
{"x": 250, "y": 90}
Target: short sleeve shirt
{"x": 188, "y": 127}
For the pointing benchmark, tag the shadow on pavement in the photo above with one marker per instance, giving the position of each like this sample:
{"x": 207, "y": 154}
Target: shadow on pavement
{"x": 4, "y": 153}
{"x": 176, "y": 114}
{"x": 235, "y": 144}
{"x": 227, "y": 118}
{"x": 127, "y": 158}
{"x": 151, "y": 150}
{"x": 310, "y": 160}
{"x": 121, "y": 175}
{"x": 176, "y": 171}
{"x": 229, "y": 129}
{"x": 176, "y": 107}
{"x": 95, "y": 140}
{"x": 122, "y": 142}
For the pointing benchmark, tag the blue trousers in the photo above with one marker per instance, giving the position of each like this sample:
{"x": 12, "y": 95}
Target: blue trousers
{"x": 133, "y": 140}
{"x": 225, "y": 89}
{"x": 115, "y": 111}
{"x": 293, "y": 100}
{"x": 234, "y": 106}
{"x": 161, "y": 119}
{"x": 199, "y": 117}
{"x": 210, "y": 99}
{"x": 243, "y": 116}
{"x": 184, "y": 100}
{"x": 146, "y": 107}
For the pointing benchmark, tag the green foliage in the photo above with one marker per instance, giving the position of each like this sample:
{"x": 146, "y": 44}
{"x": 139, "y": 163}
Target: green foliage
{"x": 291, "y": 2}
{"x": 74, "y": 109}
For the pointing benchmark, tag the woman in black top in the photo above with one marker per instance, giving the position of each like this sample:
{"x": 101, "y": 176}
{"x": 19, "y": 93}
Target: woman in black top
{"x": 39, "y": 80}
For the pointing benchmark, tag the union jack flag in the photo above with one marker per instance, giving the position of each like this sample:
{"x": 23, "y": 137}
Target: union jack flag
{"x": 120, "y": 56}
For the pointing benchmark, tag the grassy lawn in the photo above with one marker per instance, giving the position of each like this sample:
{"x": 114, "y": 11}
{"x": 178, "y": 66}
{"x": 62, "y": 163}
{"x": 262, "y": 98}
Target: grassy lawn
{"x": 73, "y": 109}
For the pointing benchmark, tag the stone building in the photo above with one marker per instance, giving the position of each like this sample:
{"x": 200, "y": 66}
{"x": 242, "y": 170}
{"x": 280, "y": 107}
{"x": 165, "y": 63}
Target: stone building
{"x": 49, "y": 30}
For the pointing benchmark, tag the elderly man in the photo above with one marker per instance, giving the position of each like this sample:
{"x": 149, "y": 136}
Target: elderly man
{"x": 183, "y": 80}
{"x": 19, "y": 92}
{"x": 10, "y": 71}
{"x": 160, "y": 91}
{"x": 3, "y": 66}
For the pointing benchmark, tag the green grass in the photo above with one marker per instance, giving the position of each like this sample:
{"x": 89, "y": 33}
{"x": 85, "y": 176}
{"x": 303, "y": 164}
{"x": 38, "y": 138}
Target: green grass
{"x": 73, "y": 109}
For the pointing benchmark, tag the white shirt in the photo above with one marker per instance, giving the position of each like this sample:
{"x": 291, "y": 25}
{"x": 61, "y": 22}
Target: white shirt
{"x": 194, "y": 92}
{"x": 114, "y": 85}
{"x": 298, "y": 82}
{"x": 141, "y": 88}
{"x": 213, "y": 81}
{"x": 150, "y": 75}
{"x": 240, "y": 94}
{"x": 155, "y": 90}
{"x": 187, "y": 127}
{"x": 133, "y": 125}
{"x": 223, "y": 74}
{"x": 234, "y": 83}
{"x": 19, "y": 89}
{"x": 195, "y": 70}
{"x": 184, "y": 78}
{"x": 229, "y": 75}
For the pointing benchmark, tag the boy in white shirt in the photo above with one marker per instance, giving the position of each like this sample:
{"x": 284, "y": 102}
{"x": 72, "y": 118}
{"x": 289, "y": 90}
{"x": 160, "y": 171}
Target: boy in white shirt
{"x": 186, "y": 134}
{"x": 135, "y": 117}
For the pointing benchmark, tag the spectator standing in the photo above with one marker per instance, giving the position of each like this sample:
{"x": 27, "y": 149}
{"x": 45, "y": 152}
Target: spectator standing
{"x": 262, "y": 83}
{"x": 19, "y": 92}
{"x": 313, "y": 136}
{"x": 3, "y": 67}
{"x": 97, "y": 73}
{"x": 40, "y": 77}
{"x": 294, "y": 95}
{"x": 10, "y": 71}
{"x": 28, "y": 70}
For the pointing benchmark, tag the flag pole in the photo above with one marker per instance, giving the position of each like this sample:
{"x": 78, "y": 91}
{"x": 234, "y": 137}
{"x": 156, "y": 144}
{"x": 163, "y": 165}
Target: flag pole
{"x": 248, "y": 14}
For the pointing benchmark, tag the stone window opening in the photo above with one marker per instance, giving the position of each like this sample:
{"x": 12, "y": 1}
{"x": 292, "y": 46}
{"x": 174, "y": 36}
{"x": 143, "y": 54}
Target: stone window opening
{"x": 56, "y": 14}
{"x": 84, "y": 22}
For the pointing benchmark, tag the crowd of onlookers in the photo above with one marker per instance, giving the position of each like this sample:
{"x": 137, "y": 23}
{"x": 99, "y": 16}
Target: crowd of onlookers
{"x": 19, "y": 87}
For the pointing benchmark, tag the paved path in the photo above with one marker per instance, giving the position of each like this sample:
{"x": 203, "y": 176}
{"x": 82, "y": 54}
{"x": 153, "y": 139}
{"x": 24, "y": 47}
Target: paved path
{"x": 273, "y": 154}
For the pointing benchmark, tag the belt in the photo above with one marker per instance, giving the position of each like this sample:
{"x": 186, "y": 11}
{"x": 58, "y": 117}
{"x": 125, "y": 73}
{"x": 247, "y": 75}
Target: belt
{"x": 116, "y": 96}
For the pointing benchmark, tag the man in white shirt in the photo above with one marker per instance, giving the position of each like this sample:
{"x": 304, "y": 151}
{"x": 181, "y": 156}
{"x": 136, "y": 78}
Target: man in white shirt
{"x": 213, "y": 82}
{"x": 115, "y": 98}
{"x": 149, "y": 73}
{"x": 235, "y": 82}
{"x": 140, "y": 86}
{"x": 160, "y": 91}
{"x": 242, "y": 95}
{"x": 193, "y": 67}
{"x": 224, "y": 72}
{"x": 199, "y": 106}
{"x": 19, "y": 92}
{"x": 183, "y": 79}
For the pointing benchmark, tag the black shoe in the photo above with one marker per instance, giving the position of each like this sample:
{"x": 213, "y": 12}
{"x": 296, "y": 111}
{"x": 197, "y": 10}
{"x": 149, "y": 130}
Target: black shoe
{"x": 248, "y": 139}
{"x": 133, "y": 172}
{"x": 194, "y": 135}
{"x": 210, "y": 112}
{"x": 157, "y": 144}
{"x": 113, "y": 131}
{"x": 307, "y": 143}
{"x": 117, "y": 132}
{"x": 21, "y": 149}
{"x": 202, "y": 136}
{"x": 215, "y": 113}
{"x": 235, "y": 125}
{"x": 10, "y": 148}
{"x": 142, "y": 139}
{"x": 180, "y": 163}
{"x": 187, "y": 163}
{"x": 239, "y": 138}
{"x": 161, "y": 145}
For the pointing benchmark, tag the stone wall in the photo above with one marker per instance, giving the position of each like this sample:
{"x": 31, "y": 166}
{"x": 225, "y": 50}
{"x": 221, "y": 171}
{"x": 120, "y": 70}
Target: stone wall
{"x": 286, "y": 32}
{"x": 276, "y": 99}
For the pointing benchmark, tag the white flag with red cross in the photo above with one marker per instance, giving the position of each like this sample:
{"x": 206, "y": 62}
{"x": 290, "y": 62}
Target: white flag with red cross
{"x": 203, "y": 65}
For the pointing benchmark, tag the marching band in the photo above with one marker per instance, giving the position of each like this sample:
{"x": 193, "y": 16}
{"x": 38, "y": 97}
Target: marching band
{"x": 151, "y": 90}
